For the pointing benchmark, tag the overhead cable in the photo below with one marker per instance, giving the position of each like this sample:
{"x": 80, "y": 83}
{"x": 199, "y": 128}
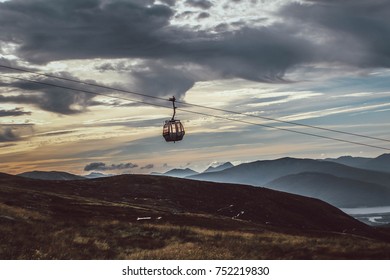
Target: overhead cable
{"x": 194, "y": 105}
{"x": 195, "y": 112}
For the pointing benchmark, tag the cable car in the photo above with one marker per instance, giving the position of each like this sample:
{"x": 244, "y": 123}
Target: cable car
{"x": 173, "y": 130}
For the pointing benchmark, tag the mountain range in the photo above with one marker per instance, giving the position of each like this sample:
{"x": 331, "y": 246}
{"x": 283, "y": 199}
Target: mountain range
{"x": 187, "y": 172}
{"x": 380, "y": 163}
{"x": 345, "y": 182}
{"x": 339, "y": 184}
{"x": 338, "y": 191}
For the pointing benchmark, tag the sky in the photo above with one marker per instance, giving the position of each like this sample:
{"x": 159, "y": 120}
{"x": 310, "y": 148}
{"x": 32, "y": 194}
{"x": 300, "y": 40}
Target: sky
{"x": 313, "y": 62}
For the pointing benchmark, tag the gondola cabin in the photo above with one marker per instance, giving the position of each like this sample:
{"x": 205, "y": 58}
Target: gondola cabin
{"x": 173, "y": 131}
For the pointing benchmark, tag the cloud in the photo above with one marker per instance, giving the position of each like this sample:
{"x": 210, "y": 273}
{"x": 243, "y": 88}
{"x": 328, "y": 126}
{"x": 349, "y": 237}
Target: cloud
{"x": 101, "y": 166}
{"x": 51, "y": 98}
{"x": 148, "y": 166}
{"x": 11, "y": 133}
{"x": 7, "y": 63}
{"x": 83, "y": 29}
{"x": 139, "y": 31}
{"x": 7, "y": 145}
{"x": 203, "y": 4}
{"x": 173, "y": 58}
{"x": 261, "y": 55}
{"x": 56, "y": 133}
{"x": 203, "y": 15}
{"x": 169, "y": 2}
{"x": 356, "y": 33}
{"x": 159, "y": 80}
{"x": 7, "y": 134}
{"x": 156, "y": 78}
{"x": 13, "y": 113}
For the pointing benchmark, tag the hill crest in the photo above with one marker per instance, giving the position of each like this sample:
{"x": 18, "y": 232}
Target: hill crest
{"x": 50, "y": 175}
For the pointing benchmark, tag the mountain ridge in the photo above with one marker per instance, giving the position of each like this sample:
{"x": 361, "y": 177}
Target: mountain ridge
{"x": 380, "y": 163}
{"x": 180, "y": 173}
{"x": 221, "y": 167}
{"x": 260, "y": 172}
{"x": 94, "y": 175}
{"x": 50, "y": 175}
{"x": 338, "y": 191}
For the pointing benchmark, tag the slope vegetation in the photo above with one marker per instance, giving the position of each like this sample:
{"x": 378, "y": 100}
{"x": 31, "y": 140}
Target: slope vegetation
{"x": 155, "y": 217}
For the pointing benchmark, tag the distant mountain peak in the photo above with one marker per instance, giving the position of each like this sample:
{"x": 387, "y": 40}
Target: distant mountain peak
{"x": 350, "y": 160}
{"x": 380, "y": 163}
{"x": 180, "y": 173}
{"x": 94, "y": 175}
{"x": 383, "y": 156}
{"x": 219, "y": 167}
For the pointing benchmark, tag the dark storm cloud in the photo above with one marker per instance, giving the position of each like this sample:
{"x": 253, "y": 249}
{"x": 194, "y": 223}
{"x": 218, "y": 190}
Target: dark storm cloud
{"x": 262, "y": 54}
{"x": 252, "y": 54}
{"x": 50, "y": 98}
{"x": 49, "y": 30}
{"x": 101, "y": 166}
{"x": 203, "y": 4}
{"x": 356, "y": 33}
{"x": 124, "y": 29}
{"x": 7, "y": 63}
{"x": 13, "y": 113}
{"x": 157, "y": 79}
{"x": 132, "y": 30}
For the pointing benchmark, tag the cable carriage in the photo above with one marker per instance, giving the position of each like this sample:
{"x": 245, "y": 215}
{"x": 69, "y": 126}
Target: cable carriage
{"x": 173, "y": 130}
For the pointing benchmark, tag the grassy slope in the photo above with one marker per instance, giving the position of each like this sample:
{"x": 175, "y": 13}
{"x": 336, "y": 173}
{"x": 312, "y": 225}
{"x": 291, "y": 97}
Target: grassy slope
{"x": 97, "y": 219}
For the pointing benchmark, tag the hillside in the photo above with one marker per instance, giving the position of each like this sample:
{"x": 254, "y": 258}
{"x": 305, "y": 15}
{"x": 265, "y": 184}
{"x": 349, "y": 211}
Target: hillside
{"x": 50, "y": 175}
{"x": 135, "y": 216}
{"x": 340, "y": 192}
